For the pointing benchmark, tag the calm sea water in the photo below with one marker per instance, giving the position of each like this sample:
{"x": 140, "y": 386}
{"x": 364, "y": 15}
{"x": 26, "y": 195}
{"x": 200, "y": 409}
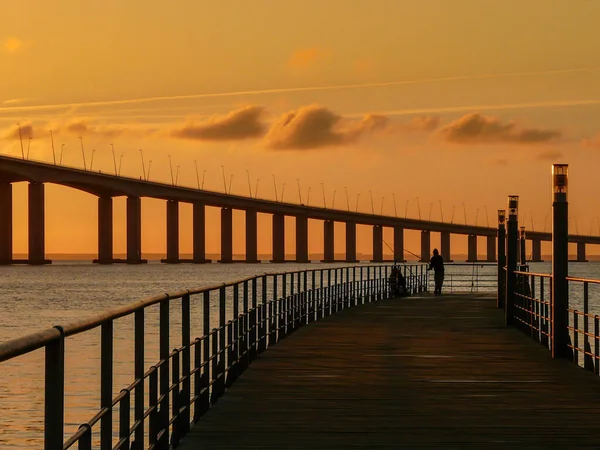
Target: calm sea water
{"x": 35, "y": 298}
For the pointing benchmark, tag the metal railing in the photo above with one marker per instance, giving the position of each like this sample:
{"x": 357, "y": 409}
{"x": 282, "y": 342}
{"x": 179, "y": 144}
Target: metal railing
{"x": 533, "y": 315}
{"x": 253, "y": 314}
{"x": 469, "y": 277}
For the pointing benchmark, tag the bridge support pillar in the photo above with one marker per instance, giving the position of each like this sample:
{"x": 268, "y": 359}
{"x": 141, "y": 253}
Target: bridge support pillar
{"x": 425, "y": 246}
{"x": 536, "y": 250}
{"x": 445, "y": 244}
{"x": 172, "y": 232}
{"x": 199, "y": 233}
{"x": 278, "y": 238}
{"x": 329, "y": 248}
{"x": 491, "y": 249}
{"x": 37, "y": 237}
{"x": 581, "y": 252}
{"x": 134, "y": 230}
{"x": 399, "y": 243}
{"x": 226, "y": 235}
{"x": 105, "y": 230}
{"x": 377, "y": 243}
{"x": 472, "y": 248}
{"x": 6, "y": 227}
{"x": 251, "y": 236}
{"x": 351, "y": 242}
{"x": 302, "y": 239}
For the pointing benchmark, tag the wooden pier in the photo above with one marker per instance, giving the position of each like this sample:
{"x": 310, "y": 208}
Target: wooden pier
{"x": 421, "y": 372}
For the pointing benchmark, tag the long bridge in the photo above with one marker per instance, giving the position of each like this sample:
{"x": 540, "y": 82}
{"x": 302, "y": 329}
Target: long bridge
{"x": 340, "y": 357}
{"x": 106, "y": 186}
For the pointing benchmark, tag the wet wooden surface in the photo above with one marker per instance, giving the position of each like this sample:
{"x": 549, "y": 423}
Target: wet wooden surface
{"x": 412, "y": 373}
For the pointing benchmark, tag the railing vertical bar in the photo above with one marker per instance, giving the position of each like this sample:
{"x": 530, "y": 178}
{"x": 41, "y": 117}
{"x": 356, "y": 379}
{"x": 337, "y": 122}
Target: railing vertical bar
{"x": 139, "y": 364}
{"x": 106, "y": 383}
{"x": 54, "y": 393}
{"x": 186, "y": 341}
{"x": 164, "y": 372}
{"x": 175, "y": 405}
{"x": 206, "y": 337}
{"x": 587, "y": 359}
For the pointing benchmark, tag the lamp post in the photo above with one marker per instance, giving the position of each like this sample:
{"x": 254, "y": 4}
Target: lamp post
{"x": 61, "y": 153}
{"x": 501, "y": 258}
{"x": 512, "y": 248}
{"x": 53, "y": 152}
{"x": 560, "y": 262}
{"x": 197, "y": 176}
{"x": 144, "y": 165}
{"x": 82, "y": 152}
{"x": 113, "y": 155}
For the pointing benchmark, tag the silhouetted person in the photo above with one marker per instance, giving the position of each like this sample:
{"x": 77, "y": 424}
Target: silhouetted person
{"x": 393, "y": 280}
{"x": 401, "y": 284}
{"x": 437, "y": 264}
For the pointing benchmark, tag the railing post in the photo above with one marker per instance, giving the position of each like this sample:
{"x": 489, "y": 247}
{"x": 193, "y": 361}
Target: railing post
{"x": 106, "y": 383}
{"x": 560, "y": 263}
{"x": 511, "y": 258}
{"x": 153, "y": 404}
{"x": 139, "y": 365}
{"x": 206, "y": 337}
{"x": 185, "y": 344}
{"x": 588, "y": 360}
{"x": 222, "y": 340}
{"x": 164, "y": 372}
{"x": 501, "y": 258}
{"x": 54, "y": 393}
{"x": 124, "y": 415}
{"x": 175, "y": 404}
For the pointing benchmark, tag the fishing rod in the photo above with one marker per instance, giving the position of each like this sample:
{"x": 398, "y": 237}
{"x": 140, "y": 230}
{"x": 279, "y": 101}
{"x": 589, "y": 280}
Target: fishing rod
{"x": 421, "y": 286}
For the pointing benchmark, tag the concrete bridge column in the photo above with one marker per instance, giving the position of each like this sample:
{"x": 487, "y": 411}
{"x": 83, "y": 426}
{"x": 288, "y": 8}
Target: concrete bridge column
{"x": 472, "y": 248}
{"x": 491, "y": 248}
{"x": 37, "y": 238}
{"x": 172, "y": 232}
{"x": 328, "y": 251}
{"x": 301, "y": 239}
{"x": 581, "y": 252}
{"x": 425, "y": 246}
{"x": 226, "y": 235}
{"x": 445, "y": 244}
{"x": 105, "y": 230}
{"x": 278, "y": 238}
{"x": 399, "y": 243}
{"x": 377, "y": 243}
{"x": 6, "y": 229}
{"x": 351, "y": 242}
{"x": 251, "y": 236}
{"x": 199, "y": 233}
{"x": 536, "y": 250}
{"x": 134, "y": 230}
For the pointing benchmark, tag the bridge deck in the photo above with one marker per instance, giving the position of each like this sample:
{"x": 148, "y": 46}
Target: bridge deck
{"x": 408, "y": 373}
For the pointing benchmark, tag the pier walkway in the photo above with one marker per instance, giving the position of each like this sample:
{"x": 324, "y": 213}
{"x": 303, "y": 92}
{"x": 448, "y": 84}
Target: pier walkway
{"x": 421, "y": 372}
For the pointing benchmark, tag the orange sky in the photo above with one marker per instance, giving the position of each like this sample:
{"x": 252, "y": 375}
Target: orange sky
{"x": 452, "y": 102}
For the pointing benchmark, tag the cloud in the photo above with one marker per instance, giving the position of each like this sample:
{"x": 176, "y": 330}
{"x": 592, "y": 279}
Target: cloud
{"x": 550, "y": 155}
{"x": 476, "y": 128}
{"x": 12, "y": 133}
{"x": 13, "y": 45}
{"x": 243, "y": 123}
{"x": 15, "y": 101}
{"x": 421, "y": 124}
{"x": 593, "y": 142}
{"x": 314, "y": 126}
{"x": 306, "y": 58}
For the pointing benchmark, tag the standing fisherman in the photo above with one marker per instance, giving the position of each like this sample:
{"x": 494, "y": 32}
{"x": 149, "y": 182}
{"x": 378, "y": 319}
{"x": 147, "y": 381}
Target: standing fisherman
{"x": 437, "y": 264}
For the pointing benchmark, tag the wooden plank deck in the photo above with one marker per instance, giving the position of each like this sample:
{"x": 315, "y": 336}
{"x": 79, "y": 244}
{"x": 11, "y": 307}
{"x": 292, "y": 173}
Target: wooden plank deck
{"x": 435, "y": 372}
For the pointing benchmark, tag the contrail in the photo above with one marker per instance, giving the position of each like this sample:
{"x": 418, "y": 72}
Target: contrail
{"x": 474, "y": 108}
{"x": 296, "y": 89}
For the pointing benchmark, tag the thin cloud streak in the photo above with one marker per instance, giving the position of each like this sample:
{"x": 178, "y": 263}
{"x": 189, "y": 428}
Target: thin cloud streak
{"x": 299, "y": 89}
{"x": 468, "y": 108}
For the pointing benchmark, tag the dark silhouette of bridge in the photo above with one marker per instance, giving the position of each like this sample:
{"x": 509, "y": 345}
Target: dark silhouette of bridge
{"x": 106, "y": 186}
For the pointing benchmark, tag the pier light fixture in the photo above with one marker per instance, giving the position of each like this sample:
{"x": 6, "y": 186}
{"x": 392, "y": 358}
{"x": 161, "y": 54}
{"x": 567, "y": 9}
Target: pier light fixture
{"x": 501, "y": 216}
{"x": 560, "y": 180}
{"x": 522, "y": 233}
{"x": 513, "y": 205}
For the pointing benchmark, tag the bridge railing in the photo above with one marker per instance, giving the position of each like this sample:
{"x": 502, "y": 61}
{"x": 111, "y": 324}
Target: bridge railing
{"x": 533, "y": 315}
{"x": 236, "y": 322}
